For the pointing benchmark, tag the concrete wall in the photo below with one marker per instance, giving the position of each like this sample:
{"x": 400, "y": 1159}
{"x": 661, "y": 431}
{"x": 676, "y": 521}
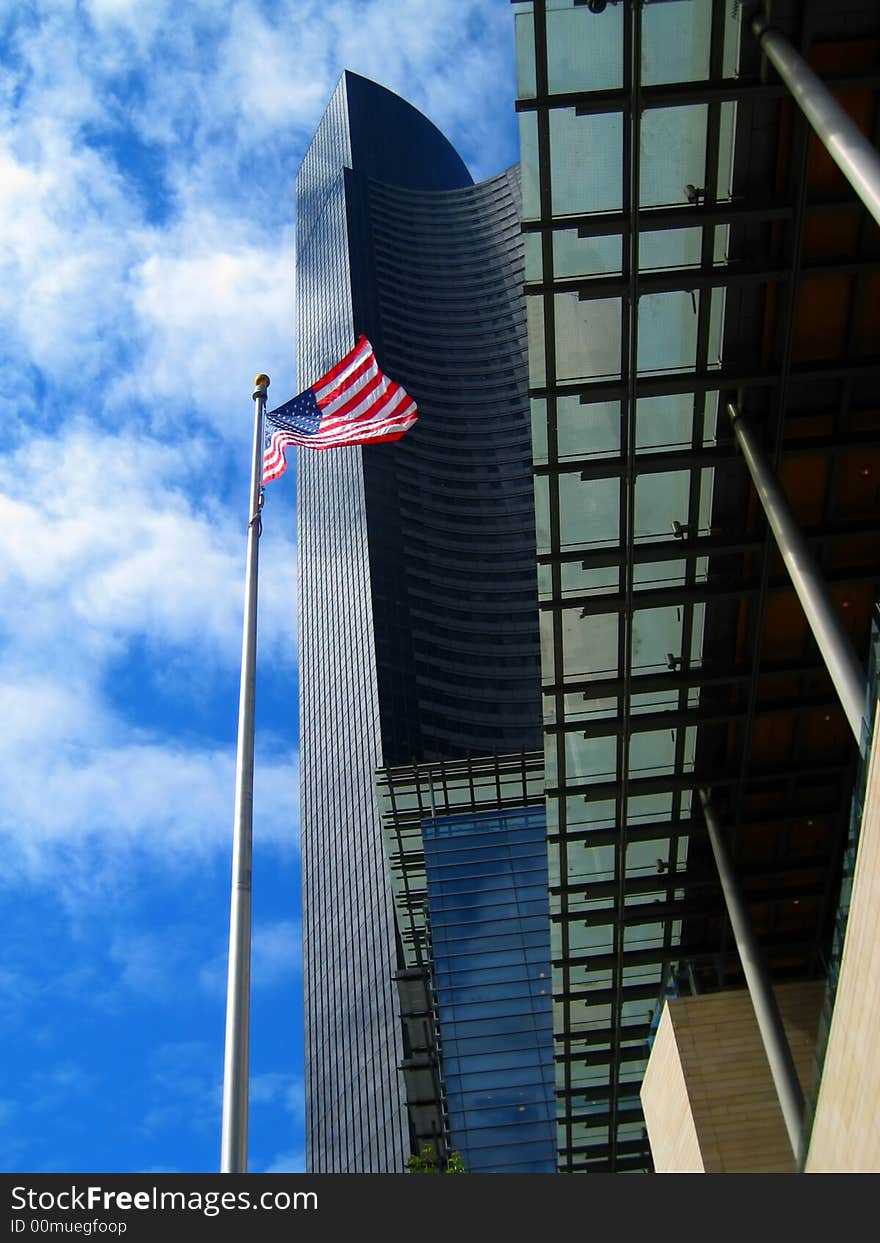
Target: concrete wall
{"x": 846, "y": 1127}
{"x": 708, "y": 1097}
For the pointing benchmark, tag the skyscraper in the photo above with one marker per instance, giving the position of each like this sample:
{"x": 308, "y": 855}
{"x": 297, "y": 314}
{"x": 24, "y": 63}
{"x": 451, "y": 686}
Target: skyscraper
{"x": 417, "y": 622}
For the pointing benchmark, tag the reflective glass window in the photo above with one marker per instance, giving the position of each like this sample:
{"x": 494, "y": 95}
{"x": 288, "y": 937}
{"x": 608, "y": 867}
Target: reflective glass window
{"x": 586, "y": 162}
{"x": 584, "y": 49}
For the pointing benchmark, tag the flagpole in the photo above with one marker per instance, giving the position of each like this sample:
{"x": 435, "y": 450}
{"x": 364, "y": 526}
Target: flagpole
{"x": 233, "y": 1159}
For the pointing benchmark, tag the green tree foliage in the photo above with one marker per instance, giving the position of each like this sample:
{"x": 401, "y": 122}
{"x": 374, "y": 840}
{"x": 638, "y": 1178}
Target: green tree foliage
{"x": 425, "y": 1162}
{"x": 455, "y": 1164}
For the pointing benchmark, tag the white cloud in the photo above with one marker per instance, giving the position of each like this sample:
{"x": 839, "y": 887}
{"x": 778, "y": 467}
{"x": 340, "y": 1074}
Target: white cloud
{"x": 288, "y": 1163}
{"x": 183, "y": 310}
{"x": 120, "y": 548}
{"x": 258, "y": 68}
{"x": 276, "y": 957}
{"x": 185, "y": 1088}
{"x": 275, "y": 1088}
{"x": 68, "y": 233}
{"x": 80, "y": 804}
{"x": 84, "y": 800}
{"x": 126, "y": 542}
{"x": 277, "y": 952}
{"x": 149, "y": 965}
{"x": 48, "y": 1088}
{"x": 93, "y": 291}
{"x": 213, "y": 302}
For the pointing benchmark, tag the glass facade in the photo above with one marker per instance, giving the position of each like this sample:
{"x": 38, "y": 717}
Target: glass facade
{"x": 417, "y": 630}
{"x": 618, "y": 329}
{"x": 681, "y": 226}
{"x": 467, "y": 862}
{"x": 487, "y": 903}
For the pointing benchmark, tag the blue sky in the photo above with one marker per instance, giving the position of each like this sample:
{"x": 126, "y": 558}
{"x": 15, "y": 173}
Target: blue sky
{"x": 148, "y": 151}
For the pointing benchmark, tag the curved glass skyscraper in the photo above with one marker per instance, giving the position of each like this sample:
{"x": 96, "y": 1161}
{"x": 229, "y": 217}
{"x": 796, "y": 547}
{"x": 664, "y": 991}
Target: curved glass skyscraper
{"x": 418, "y": 636}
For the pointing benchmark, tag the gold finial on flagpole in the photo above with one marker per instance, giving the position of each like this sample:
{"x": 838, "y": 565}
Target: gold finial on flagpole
{"x": 261, "y": 382}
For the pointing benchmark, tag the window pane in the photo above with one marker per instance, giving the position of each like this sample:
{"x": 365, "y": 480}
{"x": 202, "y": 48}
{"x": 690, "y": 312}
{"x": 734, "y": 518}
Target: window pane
{"x": 542, "y": 512}
{"x": 589, "y": 758}
{"x": 673, "y": 153}
{"x": 716, "y": 326}
{"x": 725, "y": 150}
{"x": 589, "y": 643}
{"x": 586, "y": 256}
{"x": 675, "y": 41}
{"x": 535, "y": 328}
{"x": 524, "y": 27}
{"x": 533, "y": 255}
{"x": 669, "y": 248}
{"x": 659, "y": 574}
{"x": 587, "y": 337}
{"x": 652, "y": 753}
{"x": 584, "y": 49}
{"x": 661, "y": 500}
{"x": 586, "y": 161}
{"x": 587, "y": 430}
{"x": 528, "y": 162}
{"x": 589, "y": 512}
{"x": 655, "y": 633}
{"x": 539, "y": 429}
{"x": 664, "y": 422}
{"x": 578, "y": 581}
{"x": 667, "y": 331}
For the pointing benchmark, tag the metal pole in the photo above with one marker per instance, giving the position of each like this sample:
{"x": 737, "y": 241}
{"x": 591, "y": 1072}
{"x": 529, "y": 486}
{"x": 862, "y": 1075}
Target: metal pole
{"x": 233, "y": 1159}
{"x": 850, "y": 149}
{"x": 773, "y": 1036}
{"x": 828, "y": 630}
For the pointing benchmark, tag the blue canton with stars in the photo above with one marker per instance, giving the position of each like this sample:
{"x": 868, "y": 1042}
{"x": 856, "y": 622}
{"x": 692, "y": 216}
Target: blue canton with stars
{"x": 301, "y": 414}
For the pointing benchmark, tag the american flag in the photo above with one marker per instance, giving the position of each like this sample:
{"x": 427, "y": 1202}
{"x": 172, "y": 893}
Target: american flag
{"x": 353, "y": 404}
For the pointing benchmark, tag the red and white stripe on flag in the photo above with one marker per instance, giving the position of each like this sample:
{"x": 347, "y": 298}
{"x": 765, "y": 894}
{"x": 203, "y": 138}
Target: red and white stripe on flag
{"x": 355, "y": 403}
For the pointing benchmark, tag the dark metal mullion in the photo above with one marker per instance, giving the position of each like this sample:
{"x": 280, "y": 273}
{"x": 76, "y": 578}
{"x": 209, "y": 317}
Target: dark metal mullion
{"x": 688, "y": 826}
{"x": 841, "y": 418}
{"x": 546, "y": 208}
{"x": 632, "y": 1114}
{"x": 632, "y": 67}
{"x": 626, "y": 1162}
{"x": 494, "y": 771}
{"x": 644, "y": 464}
{"x": 866, "y": 228}
{"x": 600, "y": 1037}
{"x": 693, "y": 215}
{"x": 718, "y": 455}
{"x": 586, "y": 890}
{"x": 799, "y": 152}
{"x": 708, "y": 275}
{"x": 713, "y": 381}
{"x": 832, "y": 882}
{"x": 665, "y": 783}
{"x": 705, "y": 546}
{"x": 711, "y": 675}
{"x": 683, "y": 908}
{"x": 678, "y": 94}
{"x": 598, "y": 1059}
{"x": 398, "y": 836}
{"x": 445, "y": 780}
{"x": 701, "y": 362}
{"x": 694, "y": 953}
{"x": 683, "y": 717}
{"x": 676, "y": 280}
{"x": 660, "y": 597}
